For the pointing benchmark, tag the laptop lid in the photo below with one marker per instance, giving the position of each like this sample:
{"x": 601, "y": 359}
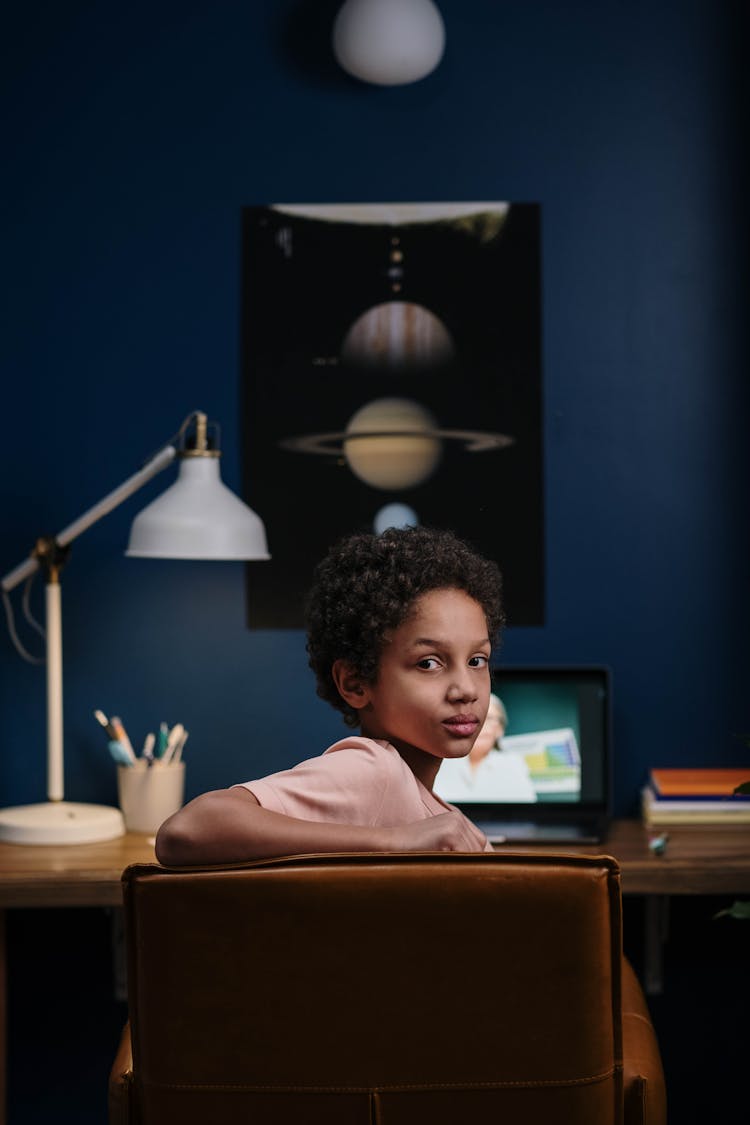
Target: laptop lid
{"x": 547, "y": 777}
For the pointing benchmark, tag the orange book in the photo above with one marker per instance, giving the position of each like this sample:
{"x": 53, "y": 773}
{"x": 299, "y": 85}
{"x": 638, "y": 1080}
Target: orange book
{"x": 698, "y": 782}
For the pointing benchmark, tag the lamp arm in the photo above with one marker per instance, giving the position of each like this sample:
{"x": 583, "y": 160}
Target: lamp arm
{"x": 113, "y": 500}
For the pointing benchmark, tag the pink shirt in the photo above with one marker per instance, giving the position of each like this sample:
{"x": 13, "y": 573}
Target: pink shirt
{"x": 357, "y": 781}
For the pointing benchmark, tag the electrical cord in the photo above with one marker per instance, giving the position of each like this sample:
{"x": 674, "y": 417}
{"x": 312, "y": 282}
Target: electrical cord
{"x": 23, "y": 652}
{"x": 26, "y": 604}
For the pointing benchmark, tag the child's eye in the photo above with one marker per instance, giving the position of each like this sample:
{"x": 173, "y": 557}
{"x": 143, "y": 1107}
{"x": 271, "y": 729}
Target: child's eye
{"x": 428, "y": 662}
{"x": 478, "y": 661}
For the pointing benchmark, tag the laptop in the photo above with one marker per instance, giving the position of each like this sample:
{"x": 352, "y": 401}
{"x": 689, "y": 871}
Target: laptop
{"x": 547, "y": 778}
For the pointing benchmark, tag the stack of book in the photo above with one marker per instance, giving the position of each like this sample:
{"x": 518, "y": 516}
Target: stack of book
{"x": 695, "y": 796}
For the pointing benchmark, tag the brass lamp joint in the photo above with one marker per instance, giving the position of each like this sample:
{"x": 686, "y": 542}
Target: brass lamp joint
{"x": 52, "y": 556}
{"x": 199, "y": 446}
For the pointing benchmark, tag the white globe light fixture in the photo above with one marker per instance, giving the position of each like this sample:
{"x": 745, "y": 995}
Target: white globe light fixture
{"x": 388, "y": 42}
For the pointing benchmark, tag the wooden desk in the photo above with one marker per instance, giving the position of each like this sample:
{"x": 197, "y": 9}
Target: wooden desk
{"x": 73, "y": 875}
{"x": 700, "y": 860}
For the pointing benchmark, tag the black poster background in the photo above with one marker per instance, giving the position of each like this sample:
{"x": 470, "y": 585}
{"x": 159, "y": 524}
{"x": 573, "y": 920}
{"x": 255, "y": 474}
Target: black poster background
{"x": 305, "y": 281}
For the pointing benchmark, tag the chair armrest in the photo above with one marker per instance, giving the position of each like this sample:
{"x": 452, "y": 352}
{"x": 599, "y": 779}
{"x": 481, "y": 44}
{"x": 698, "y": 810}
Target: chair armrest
{"x": 643, "y": 1075}
{"x": 121, "y": 1081}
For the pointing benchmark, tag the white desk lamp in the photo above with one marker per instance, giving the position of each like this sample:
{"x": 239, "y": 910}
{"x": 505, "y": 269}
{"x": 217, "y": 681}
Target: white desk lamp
{"x": 198, "y": 517}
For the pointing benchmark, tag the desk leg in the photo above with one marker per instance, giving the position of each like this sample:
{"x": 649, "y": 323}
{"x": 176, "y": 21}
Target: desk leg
{"x": 3, "y": 1023}
{"x": 656, "y": 920}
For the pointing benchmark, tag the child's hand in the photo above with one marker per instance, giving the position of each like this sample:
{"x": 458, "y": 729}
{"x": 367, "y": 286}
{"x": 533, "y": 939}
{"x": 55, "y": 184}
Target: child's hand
{"x": 445, "y": 832}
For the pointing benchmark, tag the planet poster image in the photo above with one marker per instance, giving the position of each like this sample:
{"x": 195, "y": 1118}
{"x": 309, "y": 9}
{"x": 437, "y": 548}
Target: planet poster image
{"x": 391, "y": 374}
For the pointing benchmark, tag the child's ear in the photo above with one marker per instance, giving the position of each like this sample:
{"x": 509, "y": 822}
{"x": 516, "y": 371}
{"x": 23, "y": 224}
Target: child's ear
{"x": 349, "y": 684}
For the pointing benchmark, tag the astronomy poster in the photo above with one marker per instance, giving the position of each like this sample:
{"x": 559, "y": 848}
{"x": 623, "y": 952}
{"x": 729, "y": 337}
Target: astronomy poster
{"x": 391, "y": 373}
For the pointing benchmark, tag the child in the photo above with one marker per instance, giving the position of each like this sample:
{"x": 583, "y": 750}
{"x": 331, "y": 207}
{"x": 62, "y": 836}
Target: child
{"x": 400, "y": 630}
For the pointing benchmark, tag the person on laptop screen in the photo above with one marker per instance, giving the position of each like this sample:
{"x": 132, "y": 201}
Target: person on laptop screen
{"x": 487, "y": 774}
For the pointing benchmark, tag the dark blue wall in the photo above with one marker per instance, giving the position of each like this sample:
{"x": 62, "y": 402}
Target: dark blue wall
{"x": 133, "y": 135}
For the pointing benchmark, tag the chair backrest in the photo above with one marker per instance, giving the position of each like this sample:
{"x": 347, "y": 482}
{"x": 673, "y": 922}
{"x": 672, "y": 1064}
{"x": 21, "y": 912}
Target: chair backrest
{"x": 377, "y": 990}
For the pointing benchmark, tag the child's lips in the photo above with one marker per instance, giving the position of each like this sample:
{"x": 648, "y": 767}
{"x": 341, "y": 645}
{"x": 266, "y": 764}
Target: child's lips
{"x": 461, "y": 725}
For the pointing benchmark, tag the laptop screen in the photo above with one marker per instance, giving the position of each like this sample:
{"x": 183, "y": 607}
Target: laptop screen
{"x": 544, "y": 752}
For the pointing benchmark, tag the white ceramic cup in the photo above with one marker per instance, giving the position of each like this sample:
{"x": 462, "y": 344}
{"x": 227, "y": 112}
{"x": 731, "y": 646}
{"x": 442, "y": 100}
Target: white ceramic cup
{"x": 148, "y": 796}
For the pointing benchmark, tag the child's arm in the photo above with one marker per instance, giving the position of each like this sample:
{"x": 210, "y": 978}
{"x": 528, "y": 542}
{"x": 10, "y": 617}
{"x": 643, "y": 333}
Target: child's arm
{"x": 229, "y": 826}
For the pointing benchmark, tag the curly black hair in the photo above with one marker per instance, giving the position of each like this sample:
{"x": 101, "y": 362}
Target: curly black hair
{"x": 366, "y": 586}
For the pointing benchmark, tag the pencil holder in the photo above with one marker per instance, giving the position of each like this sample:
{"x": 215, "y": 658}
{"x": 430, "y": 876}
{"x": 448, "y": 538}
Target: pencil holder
{"x": 148, "y": 796}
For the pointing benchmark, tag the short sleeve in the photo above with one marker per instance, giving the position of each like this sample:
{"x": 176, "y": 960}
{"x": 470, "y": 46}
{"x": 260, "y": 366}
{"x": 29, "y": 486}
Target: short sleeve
{"x": 357, "y": 781}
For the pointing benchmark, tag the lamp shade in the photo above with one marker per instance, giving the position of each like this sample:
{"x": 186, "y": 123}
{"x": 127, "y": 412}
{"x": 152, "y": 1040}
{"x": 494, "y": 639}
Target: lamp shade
{"x": 198, "y": 517}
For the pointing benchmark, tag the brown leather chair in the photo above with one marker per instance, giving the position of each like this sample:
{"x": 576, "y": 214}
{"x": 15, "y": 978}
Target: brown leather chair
{"x": 383, "y": 990}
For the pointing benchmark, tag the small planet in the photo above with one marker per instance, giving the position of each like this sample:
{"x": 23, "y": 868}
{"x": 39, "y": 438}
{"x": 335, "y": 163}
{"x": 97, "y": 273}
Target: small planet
{"x": 394, "y": 515}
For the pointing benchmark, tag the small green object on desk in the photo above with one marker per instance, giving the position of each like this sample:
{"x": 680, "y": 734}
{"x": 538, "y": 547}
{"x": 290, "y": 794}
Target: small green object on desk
{"x": 657, "y": 845}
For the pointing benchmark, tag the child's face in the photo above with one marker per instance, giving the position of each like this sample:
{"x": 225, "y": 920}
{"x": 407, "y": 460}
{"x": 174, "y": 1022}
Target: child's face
{"x": 432, "y": 691}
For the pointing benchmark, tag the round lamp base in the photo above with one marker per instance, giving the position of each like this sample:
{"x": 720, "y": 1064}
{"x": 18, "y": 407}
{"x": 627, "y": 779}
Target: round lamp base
{"x": 60, "y": 822}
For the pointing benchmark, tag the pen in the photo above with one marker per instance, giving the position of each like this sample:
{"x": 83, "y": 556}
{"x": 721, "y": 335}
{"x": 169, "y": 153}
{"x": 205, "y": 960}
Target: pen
{"x": 122, "y": 737}
{"x": 120, "y": 754}
{"x": 161, "y": 744}
{"x": 173, "y": 740}
{"x": 104, "y": 721}
{"x": 148, "y": 748}
{"x": 177, "y": 755}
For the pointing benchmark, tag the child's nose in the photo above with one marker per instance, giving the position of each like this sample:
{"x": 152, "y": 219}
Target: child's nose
{"x": 463, "y": 689}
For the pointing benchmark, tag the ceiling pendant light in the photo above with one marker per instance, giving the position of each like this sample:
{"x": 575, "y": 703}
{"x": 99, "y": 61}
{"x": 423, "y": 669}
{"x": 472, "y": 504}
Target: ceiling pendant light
{"x": 388, "y": 42}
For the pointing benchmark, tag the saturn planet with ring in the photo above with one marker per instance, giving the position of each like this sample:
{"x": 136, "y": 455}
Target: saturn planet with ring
{"x": 393, "y": 443}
